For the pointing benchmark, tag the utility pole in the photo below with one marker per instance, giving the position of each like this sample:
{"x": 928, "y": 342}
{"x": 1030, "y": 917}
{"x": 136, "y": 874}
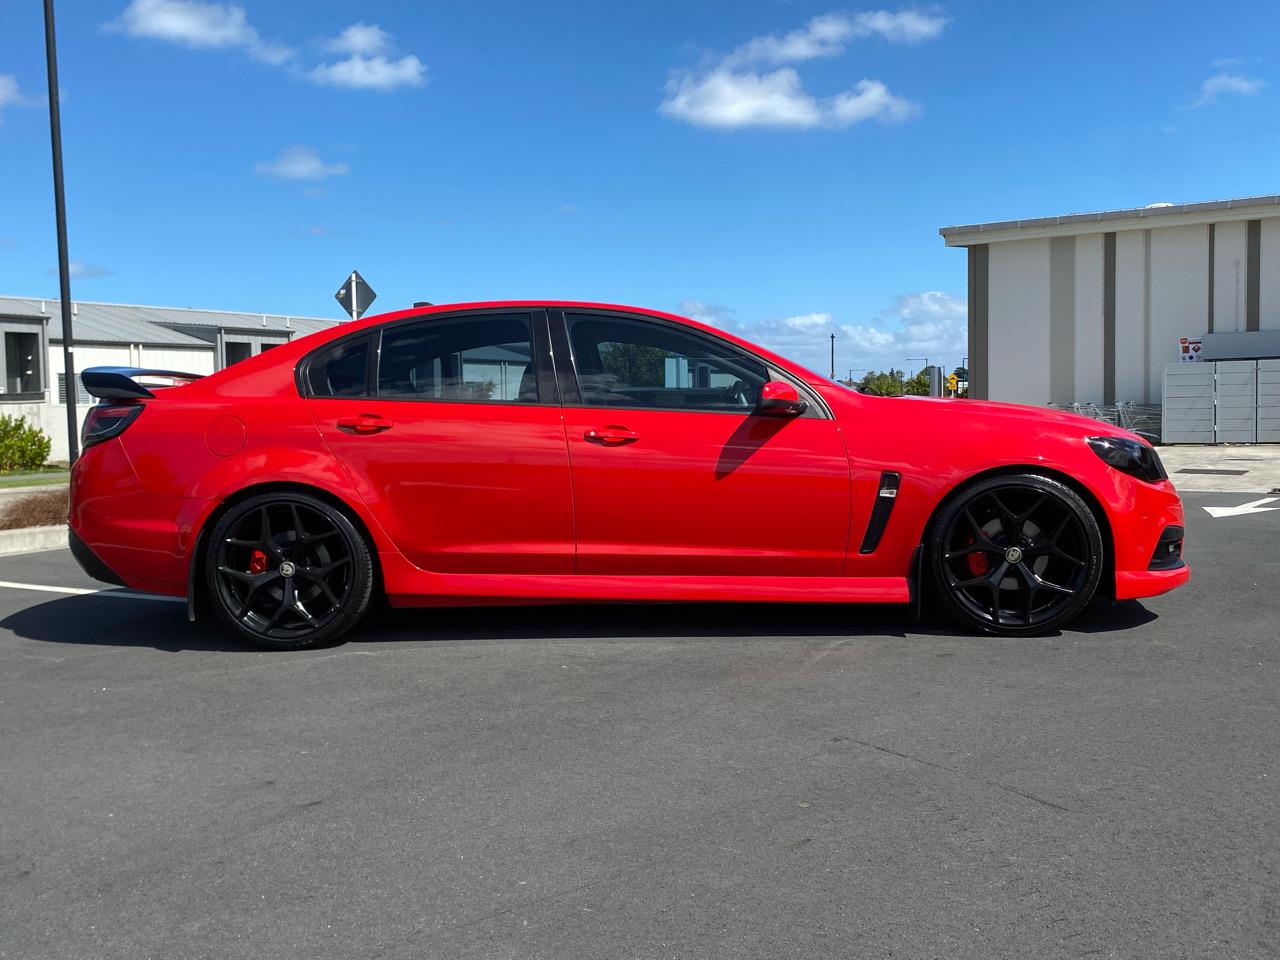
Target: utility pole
{"x": 833, "y": 356}
{"x": 60, "y": 208}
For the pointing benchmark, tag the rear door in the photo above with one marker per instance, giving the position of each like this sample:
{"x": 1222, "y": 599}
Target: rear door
{"x": 674, "y": 473}
{"x": 450, "y": 428}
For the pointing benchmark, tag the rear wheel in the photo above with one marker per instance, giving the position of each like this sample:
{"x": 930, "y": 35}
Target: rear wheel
{"x": 1016, "y": 555}
{"x": 287, "y": 571}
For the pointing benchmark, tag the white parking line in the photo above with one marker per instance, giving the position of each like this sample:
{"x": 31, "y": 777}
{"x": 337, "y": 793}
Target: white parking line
{"x": 83, "y": 592}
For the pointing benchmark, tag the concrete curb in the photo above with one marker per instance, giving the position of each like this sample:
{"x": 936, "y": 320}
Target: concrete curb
{"x": 33, "y": 539}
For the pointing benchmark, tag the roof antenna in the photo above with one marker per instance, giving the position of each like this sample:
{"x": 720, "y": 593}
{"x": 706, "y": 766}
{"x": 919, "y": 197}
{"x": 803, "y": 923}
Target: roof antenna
{"x": 422, "y": 303}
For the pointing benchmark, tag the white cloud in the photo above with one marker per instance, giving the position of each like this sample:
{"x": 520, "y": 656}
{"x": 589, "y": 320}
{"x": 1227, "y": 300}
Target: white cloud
{"x": 726, "y": 99}
{"x": 726, "y": 93}
{"x": 1225, "y": 82}
{"x": 11, "y": 94}
{"x": 367, "y": 61}
{"x": 871, "y": 100}
{"x": 199, "y": 25}
{"x": 902, "y": 26}
{"x": 932, "y": 323}
{"x": 79, "y": 270}
{"x": 369, "y": 64}
{"x": 361, "y": 40}
{"x": 918, "y": 324}
{"x": 828, "y": 35}
{"x": 371, "y": 73}
{"x": 299, "y": 163}
{"x": 729, "y": 99}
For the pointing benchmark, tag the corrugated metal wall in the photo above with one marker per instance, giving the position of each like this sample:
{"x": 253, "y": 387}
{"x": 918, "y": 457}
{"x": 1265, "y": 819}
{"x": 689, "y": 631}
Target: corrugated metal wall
{"x": 1228, "y": 401}
{"x": 1269, "y": 401}
{"x": 1187, "y": 408}
{"x": 1237, "y": 395}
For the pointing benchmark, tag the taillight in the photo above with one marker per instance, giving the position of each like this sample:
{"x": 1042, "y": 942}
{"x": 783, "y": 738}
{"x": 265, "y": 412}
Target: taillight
{"x": 107, "y": 420}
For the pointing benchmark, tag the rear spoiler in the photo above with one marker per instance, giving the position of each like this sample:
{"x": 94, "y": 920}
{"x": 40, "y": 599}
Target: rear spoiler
{"x": 122, "y": 383}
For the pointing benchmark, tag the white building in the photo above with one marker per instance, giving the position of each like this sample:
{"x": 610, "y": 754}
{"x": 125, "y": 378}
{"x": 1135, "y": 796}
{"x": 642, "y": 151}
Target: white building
{"x": 113, "y": 334}
{"x": 1089, "y": 308}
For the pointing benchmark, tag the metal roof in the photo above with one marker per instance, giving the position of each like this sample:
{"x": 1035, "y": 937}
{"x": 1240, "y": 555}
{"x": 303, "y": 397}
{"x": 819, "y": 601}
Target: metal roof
{"x": 135, "y": 323}
{"x": 1152, "y": 212}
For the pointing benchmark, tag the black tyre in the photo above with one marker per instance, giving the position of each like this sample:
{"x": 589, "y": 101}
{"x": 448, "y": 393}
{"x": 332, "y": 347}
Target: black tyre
{"x": 1015, "y": 556}
{"x": 287, "y": 570}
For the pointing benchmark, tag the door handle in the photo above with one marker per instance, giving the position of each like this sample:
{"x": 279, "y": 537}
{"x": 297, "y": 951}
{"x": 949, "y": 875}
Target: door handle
{"x": 364, "y": 424}
{"x": 611, "y": 436}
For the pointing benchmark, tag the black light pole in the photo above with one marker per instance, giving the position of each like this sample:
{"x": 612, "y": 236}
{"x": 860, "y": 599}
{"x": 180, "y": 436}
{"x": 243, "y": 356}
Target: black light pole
{"x": 60, "y": 206}
{"x": 833, "y": 356}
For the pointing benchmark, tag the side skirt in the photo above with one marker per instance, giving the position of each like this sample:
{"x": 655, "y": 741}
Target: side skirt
{"x": 409, "y": 586}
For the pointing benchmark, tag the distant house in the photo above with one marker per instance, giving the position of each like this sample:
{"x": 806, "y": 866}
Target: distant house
{"x": 118, "y": 334}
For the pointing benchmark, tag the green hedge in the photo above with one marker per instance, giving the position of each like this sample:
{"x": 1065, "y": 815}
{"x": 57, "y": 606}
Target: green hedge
{"x": 22, "y": 446}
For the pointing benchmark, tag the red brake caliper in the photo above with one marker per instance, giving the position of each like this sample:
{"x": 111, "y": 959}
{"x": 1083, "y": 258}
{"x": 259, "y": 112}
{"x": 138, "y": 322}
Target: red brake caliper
{"x": 258, "y": 562}
{"x": 979, "y": 563}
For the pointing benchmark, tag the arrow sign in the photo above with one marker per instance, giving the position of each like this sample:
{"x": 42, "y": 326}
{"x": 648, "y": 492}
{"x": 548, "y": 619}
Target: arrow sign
{"x": 355, "y": 295}
{"x": 1255, "y": 506}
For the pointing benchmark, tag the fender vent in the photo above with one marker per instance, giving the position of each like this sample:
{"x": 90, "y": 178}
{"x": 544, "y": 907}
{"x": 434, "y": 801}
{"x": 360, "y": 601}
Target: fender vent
{"x": 886, "y": 496}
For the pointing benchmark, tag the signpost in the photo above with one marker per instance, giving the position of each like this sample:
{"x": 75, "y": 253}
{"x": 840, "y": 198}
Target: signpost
{"x": 355, "y": 295}
{"x": 953, "y": 382}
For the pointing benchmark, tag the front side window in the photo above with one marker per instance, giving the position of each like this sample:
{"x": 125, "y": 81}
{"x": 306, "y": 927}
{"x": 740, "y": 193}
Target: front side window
{"x": 625, "y": 362}
{"x": 485, "y": 358}
{"x": 340, "y": 371}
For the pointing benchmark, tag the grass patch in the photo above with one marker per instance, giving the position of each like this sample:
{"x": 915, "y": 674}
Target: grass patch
{"x": 42, "y": 479}
{"x": 47, "y": 508}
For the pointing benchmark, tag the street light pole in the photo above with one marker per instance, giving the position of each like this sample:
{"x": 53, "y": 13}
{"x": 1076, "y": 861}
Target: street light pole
{"x": 833, "y": 356}
{"x": 60, "y": 208}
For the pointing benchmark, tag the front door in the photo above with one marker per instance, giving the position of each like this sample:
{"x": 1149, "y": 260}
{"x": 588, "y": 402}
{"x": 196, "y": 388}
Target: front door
{"x": 673, "y": 472}
{"x": 454, "y": 439}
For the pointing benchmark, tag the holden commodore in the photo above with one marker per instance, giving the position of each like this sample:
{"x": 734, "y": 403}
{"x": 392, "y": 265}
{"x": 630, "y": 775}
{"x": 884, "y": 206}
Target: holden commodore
{"x": 534, "y": 451}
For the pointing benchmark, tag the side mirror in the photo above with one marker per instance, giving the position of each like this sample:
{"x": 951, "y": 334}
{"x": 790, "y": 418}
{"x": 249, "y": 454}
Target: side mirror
{"x": 778, "y": 399}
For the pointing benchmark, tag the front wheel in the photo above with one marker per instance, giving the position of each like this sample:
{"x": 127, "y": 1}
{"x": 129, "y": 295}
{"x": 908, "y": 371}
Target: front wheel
{"x": 1016, "y": 555}
{"x": 287, "y": 571}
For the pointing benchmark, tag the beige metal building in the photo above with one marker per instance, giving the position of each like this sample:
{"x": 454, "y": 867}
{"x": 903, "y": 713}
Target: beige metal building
{"x": 1089, "y": 308}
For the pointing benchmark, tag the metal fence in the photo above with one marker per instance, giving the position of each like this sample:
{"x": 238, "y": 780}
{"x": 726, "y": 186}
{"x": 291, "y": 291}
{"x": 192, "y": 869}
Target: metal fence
{"x": 1142, "y": 418}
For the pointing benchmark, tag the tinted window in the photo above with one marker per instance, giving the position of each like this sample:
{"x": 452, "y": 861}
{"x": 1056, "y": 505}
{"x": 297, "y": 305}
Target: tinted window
{"x": 340, "y": 371}
{"x": 623, "y": 362}
{"x": 485, "y": 358}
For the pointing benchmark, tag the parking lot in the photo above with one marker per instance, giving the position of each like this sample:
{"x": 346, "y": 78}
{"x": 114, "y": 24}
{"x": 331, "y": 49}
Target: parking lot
{"x": 667, "y": 781}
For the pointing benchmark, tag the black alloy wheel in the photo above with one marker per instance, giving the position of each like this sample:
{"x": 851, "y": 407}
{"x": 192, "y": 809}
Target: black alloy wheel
{"x": 1016, "y": 555}
{"x": 287, "y": 571}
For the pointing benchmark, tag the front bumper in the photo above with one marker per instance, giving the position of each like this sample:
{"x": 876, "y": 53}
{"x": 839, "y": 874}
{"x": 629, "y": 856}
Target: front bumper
{"x": 1134, "y": 584}
{"x": 1145, "y": 520}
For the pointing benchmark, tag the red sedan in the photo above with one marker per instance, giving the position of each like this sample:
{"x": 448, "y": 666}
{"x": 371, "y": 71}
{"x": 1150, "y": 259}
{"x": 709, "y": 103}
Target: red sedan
{"x": 552, "y": 451}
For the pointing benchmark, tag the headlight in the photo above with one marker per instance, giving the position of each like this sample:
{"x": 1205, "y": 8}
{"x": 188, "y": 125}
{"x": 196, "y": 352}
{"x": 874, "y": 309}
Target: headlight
{"x": 1130, "y": 456}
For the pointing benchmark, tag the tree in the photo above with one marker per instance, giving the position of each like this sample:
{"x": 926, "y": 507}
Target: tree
{"x": 635, "y": 364}
{"x": 888, "y": 383}
{"x": 918, "y": 386}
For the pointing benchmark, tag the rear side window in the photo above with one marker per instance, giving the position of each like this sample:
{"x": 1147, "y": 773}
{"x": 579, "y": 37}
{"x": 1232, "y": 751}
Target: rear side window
{"x": 471, "y": 359}
{"x": 340, "y": 371}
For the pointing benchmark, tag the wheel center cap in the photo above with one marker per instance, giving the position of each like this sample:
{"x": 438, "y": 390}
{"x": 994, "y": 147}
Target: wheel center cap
{"x": 287, "y": 569}
{"x": 1013, "y": 554}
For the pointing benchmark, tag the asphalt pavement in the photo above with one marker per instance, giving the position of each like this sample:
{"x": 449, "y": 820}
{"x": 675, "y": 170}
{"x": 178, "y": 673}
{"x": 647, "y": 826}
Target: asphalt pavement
{"x": 647, "y": 782}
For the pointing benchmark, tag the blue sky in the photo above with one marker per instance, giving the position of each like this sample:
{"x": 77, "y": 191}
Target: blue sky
{"x": 780, "y": 168}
